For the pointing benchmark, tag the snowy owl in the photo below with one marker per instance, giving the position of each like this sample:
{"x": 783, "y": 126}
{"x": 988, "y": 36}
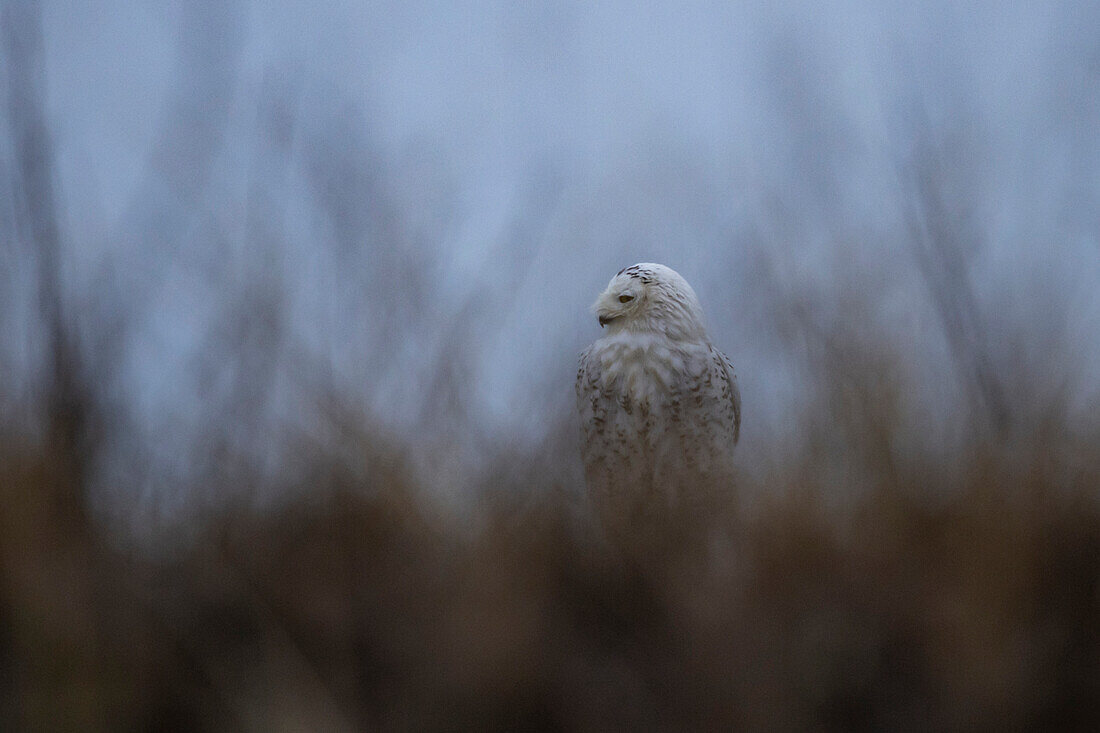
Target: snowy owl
{"x": 659, "y": 405}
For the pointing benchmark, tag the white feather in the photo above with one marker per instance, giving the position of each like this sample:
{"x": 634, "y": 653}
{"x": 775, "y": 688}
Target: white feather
{"x": 657, "y": 401}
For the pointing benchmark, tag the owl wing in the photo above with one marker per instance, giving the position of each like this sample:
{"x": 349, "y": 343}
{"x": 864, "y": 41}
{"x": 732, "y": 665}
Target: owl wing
{"x": 728, "y": 393}
{"x": 592, "y": 404}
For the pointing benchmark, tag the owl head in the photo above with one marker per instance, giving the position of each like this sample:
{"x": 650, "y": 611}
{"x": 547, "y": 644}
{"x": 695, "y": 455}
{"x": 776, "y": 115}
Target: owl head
{"x": 650, "y": 297}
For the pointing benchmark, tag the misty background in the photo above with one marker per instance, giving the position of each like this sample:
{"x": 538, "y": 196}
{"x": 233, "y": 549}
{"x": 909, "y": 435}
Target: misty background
{"x": 291, "y": 297}
{"x": 401, "y": 212}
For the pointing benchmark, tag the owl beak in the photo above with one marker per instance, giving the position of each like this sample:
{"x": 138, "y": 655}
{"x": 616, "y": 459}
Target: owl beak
{"x": 604, "y": 320}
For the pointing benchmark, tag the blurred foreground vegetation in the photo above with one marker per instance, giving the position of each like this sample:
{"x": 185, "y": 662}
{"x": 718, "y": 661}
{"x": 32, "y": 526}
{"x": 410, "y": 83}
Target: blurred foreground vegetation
{"x": 926, "y": 601}
{"x": 260, "y": 531}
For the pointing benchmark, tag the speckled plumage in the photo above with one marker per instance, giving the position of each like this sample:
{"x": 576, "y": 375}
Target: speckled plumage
{"x": 659, "y": 405}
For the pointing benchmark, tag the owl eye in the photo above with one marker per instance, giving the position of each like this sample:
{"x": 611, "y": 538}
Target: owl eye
{"x": 625, "y": 298}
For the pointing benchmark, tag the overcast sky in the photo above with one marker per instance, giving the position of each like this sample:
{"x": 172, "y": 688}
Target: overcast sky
{"x": 527, "y": 151}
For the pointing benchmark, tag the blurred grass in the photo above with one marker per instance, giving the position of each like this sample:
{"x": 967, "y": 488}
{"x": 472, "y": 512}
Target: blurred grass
{"x": 928, "y": 600}
{"x": 864, "y": 574}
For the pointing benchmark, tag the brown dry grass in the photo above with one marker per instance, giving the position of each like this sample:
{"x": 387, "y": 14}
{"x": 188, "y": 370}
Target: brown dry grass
{"x": 911, "y": 605}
